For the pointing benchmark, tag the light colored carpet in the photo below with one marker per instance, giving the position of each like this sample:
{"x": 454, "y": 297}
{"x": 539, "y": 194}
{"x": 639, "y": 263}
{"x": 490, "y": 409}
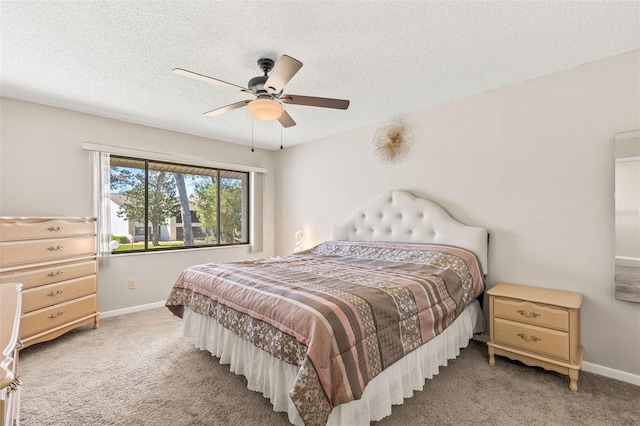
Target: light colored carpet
{"x": 137, "y": 370}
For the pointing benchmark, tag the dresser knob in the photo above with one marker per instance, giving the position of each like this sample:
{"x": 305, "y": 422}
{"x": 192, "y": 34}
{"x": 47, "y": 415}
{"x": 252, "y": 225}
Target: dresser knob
{"x": 55, "y": 293}
{"x": 59, "y": 248}
{"x": 52, "y": 316}
{"x": 56, "y": 229}
{"x": 57, "y": 274}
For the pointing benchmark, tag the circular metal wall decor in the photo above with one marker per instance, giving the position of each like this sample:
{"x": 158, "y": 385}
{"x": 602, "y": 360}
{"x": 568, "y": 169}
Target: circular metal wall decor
{"x": 392, "y": 141}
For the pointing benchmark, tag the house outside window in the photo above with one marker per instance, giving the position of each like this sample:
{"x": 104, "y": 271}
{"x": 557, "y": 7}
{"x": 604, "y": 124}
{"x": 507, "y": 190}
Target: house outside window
{"x": 183, "y": 206}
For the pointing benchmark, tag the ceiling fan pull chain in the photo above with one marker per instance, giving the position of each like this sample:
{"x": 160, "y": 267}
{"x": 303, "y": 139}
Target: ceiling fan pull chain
{"x": 252, "y": 134}
{"x": 280, "y": 137}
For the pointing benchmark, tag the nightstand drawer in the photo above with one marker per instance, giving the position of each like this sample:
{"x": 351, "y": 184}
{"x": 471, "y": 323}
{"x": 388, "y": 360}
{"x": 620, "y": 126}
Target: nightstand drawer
{"x": 531, "y": 313}
{"x": 531, "y": 338}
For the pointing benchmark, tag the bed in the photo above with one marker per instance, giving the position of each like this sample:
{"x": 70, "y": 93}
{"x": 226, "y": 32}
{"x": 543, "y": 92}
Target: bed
{"x": 340, "y": 332}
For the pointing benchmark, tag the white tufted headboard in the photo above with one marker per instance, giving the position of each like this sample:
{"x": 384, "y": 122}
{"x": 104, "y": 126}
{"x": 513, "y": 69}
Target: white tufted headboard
{"x": 402, "y": 217}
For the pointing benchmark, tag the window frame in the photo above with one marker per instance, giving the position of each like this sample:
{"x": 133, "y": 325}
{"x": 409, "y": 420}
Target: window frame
{"x": 218, "y": 171}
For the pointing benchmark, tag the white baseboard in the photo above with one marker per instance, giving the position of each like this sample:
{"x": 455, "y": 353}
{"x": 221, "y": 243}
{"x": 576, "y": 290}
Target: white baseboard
{"x": 132, "y": 309}
{"x": 612, "y": 373}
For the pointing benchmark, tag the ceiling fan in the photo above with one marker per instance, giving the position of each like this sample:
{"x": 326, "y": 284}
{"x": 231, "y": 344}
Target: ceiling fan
{"x": 268, "y": 89}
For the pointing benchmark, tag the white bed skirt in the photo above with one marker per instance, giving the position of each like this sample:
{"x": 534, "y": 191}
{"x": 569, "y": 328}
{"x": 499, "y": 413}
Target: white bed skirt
{"x": 275, "y": 378}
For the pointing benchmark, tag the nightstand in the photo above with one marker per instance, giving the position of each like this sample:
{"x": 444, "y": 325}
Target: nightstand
{"x": 536, "y": 326}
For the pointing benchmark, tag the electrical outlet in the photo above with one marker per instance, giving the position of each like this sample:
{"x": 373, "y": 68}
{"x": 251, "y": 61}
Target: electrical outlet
{"x": 132, "y": 284}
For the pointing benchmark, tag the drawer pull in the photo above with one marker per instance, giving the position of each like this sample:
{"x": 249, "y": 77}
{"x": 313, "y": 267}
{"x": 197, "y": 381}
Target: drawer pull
{"x": 56, "y": 229}
{"x": 15, "y": 384}
{"x": 533, "y": 314}
{"x": 530, "y": 339}
{"x": 56, "y": 274}
{"x": 59, "y": 248}
{"x": 55, "y": 293}
{"x": 52, "y": 316}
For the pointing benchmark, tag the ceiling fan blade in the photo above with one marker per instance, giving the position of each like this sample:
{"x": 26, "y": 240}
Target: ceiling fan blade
{"x": 227, "y": 108}
{"x": 212, "y": 80}
{"x": 286, "y": 120}
{"x": 282, "y": 72}
{"x": 316, "y": 102}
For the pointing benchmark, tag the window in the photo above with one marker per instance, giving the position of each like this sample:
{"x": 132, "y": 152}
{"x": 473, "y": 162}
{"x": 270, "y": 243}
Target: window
{"x": 162, "y": 206}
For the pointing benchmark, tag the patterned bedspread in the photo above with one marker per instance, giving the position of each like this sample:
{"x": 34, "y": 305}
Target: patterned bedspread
{"x": 341, "y": 311}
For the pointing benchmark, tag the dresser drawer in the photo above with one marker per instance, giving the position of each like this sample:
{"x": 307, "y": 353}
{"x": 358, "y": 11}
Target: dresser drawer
{"x": 34, "y": 229}
{"x": 531, "y": 313}
{"x": 49, "y": 274}
{"x": 17, "y": 253}
{"x": 47, "y": 295}
{"x": 530, "y": 338}
{"x": 45, "y": 319}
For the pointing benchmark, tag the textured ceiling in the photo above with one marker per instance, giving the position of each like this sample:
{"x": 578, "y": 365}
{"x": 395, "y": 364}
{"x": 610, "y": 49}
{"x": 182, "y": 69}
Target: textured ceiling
{"x": 114, "y": 59}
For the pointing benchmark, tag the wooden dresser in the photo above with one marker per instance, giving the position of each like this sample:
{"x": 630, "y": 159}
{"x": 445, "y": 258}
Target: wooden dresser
{"x": 537, "y": 326}
{"x": 10, "y": 299}
{"x": 55, "y": 260}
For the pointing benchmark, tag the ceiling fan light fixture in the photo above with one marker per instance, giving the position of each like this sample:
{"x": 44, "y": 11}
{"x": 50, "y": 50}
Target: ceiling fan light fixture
{"x": 268, "y": 90}
{"x": 265, "y": 109}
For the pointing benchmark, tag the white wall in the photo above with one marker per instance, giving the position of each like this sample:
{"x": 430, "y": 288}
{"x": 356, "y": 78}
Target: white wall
{"x": 45, "y": 172}
{"x": 531, "y": 162}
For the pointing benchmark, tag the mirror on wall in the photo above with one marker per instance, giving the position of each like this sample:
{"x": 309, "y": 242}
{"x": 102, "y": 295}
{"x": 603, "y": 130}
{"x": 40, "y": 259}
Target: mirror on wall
{"x": 627, "y": 215}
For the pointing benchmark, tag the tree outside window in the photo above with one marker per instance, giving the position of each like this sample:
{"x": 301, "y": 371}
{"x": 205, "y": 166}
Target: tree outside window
{"x": 183, "y": 206}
